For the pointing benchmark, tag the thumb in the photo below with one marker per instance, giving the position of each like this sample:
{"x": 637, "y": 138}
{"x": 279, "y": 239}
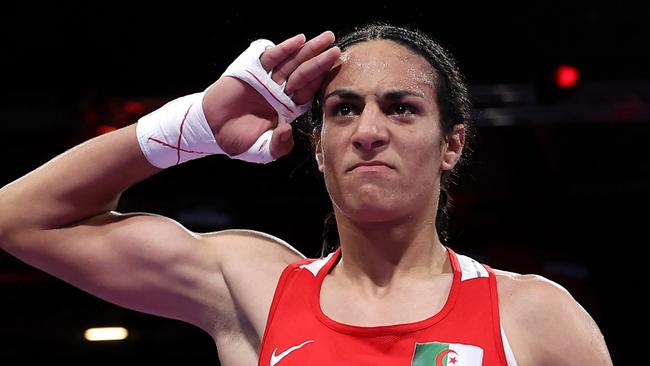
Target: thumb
{"x": 281, "y": 141}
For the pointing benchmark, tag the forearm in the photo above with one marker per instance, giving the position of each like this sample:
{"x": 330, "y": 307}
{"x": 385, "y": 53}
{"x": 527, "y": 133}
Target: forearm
{"x": 82, "y": 182}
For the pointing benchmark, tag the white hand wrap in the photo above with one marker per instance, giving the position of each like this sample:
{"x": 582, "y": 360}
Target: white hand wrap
{"x": 248, "y": 67}
{"x": 178, "y": 131}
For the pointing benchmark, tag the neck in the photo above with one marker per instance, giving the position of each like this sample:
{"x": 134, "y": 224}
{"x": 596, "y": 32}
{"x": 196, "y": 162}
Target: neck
{"x": 382, "y": 253}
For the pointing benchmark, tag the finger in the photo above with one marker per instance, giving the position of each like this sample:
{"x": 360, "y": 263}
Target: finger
{"x": 309, "y": 50}
{"x": 273, "y": 56}
{"x": 238, "y": 135}
{"x": 281, "y": 141}
{"x": 305, "y": 74}
{"x": 307, "y": 93}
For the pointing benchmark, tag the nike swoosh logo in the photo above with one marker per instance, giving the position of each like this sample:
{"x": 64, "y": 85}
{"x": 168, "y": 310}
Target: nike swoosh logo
{"x": 275, "y": 359}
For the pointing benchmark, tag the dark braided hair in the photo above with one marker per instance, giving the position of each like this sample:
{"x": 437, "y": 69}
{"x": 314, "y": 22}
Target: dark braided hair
{"x": 452, "y": 98}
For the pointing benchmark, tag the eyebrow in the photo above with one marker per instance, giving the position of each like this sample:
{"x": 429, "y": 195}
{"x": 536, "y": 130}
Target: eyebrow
{"x": 348, "y": 94}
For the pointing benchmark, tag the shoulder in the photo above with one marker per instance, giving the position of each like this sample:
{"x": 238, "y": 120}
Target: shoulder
{"x": 251, "y": 245}
{"x": 248, "y": 256}
{"x": 532, "y": 293}
{"x": 545, "y": 324}
{"x": 521, "y": 295}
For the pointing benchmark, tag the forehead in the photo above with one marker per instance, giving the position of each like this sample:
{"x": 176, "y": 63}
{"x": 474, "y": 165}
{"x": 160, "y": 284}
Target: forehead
{"x": 377, "y": 65}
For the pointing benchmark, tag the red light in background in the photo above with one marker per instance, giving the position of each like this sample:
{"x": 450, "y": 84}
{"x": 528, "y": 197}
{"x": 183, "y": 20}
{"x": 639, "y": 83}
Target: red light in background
{"x": 134, "y": 107}
{"x": 102, "y": 129}
{"x": 566, "y": 76}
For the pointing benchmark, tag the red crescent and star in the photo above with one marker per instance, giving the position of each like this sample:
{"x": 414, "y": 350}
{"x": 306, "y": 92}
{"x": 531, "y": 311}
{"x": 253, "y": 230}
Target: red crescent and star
{"x": 442, "y": 355}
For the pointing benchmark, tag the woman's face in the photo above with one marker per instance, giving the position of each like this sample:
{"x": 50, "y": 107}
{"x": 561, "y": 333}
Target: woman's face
{"x": 381, "y": 148}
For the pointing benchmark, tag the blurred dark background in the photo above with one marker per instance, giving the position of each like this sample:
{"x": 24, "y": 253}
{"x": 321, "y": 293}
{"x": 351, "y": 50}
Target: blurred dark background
{"x": 558, "y": 184}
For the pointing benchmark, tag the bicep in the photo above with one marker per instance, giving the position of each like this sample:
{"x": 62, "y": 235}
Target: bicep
{"x": 143, "y": 262}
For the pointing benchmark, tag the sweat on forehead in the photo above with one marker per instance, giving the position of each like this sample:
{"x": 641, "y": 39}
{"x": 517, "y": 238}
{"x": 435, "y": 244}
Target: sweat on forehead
{"x": 382, "y": 62}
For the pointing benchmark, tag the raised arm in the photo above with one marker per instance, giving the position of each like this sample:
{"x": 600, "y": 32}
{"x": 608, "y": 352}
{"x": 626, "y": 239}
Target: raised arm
{"x": 60, "y": 216}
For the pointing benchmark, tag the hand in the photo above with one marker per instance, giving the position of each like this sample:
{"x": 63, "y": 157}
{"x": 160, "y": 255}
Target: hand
{"x": 238, "y": 114}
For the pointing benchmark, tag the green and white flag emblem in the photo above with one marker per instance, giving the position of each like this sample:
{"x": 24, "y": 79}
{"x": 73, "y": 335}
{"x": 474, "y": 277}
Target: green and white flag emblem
{"x": 447, "y": 354}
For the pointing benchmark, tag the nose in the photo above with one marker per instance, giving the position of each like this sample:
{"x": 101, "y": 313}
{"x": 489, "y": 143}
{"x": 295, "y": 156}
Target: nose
{"x": 371, "y": 131}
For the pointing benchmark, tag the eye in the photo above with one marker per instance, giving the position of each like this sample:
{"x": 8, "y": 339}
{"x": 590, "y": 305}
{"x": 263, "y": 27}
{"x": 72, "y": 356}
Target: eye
{"x": 402, "y": 109}
{"x": 343, "y": 109}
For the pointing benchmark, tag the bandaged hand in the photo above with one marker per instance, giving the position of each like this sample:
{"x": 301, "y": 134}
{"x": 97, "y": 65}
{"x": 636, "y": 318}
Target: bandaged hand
{"x": 255, "y": 100}
{"x": 246, "y": 114}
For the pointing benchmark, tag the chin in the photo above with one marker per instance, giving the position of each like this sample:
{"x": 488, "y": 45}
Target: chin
{"x": 370, "y": 211}
{"x": 370, "y": 200}
{"x": 370, "y": 217}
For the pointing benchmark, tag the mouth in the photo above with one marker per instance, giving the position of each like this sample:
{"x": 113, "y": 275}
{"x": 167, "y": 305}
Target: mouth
{"x": 370, "y": 166}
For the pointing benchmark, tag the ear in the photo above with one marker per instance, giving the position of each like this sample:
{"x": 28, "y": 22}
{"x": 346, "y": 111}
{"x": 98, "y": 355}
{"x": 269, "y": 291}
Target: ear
{"x": 319, "y": 156}
{"x": 452, "y": 149}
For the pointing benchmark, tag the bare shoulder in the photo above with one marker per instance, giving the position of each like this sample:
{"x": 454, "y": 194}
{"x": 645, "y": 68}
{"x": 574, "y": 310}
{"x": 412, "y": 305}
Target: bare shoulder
{"x": 544, "y": 323}
{"x": 522, "y": 295}
{"x": 247, "y": 255}
{"x": 241, "y": 244}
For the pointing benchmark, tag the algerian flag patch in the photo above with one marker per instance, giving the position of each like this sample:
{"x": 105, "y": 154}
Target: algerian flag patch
{"x": 447, "y": 354}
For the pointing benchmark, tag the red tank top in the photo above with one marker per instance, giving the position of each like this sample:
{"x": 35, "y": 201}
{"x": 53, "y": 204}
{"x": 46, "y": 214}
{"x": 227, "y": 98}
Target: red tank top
{"x": 465, "y": 332}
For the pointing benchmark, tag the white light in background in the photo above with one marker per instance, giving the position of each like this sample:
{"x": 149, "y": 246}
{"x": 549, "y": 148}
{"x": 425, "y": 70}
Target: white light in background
{"x": 106, "y": 334}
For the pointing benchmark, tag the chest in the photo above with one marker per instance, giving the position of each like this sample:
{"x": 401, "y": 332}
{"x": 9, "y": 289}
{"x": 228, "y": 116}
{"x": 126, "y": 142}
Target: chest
{"x": 403, "y": 303}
